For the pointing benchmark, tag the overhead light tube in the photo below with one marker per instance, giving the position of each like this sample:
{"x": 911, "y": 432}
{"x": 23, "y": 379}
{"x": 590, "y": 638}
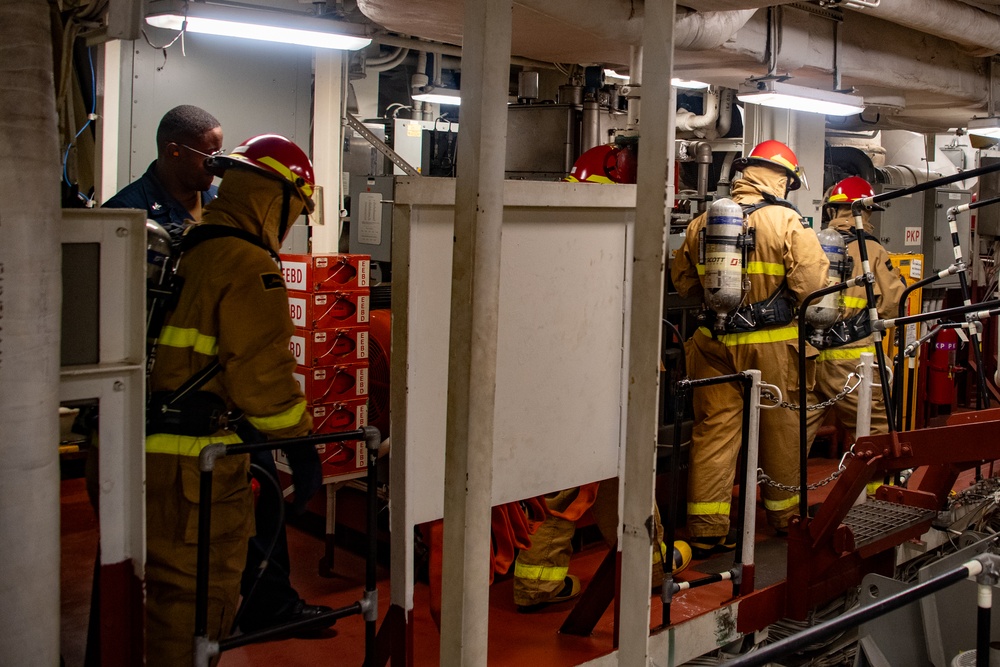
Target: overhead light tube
{"x": 985, "y": 127}
{"x": 439, "y": 95}
{"x": 781, "y": 95}
{"x": 249, "y": 23}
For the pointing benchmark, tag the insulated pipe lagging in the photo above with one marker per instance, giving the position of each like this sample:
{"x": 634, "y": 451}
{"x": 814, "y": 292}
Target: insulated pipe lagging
{"x": 387, "y": 58}
{"x": 693, "y": 31}
{"x": 867, "y": 203}
{"x": 701, "y": 31}
{"x": 689, "y": 122}
{"x": 950, "y": 19}
{"x": 725, "y": 121}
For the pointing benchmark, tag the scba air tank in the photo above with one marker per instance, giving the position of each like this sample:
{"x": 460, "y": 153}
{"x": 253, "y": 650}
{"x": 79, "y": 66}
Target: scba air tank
{"x": 825, "y": 314}
{"x": 723, "y": 259}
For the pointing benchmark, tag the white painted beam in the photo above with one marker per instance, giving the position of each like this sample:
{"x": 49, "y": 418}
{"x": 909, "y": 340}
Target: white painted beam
{"x": 475, "y": 300}
{"x": 653, "y": 199}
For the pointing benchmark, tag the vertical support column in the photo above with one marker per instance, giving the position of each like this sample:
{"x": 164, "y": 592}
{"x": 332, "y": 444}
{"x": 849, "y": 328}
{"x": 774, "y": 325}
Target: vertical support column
{"x": 653, "y": 197}
{"x": 475, "y": 293}
{"x": 803, "y": 132}
{"x": 30, "y": 294}
{"x": 109, "y": 84}
{"x": 864, "y": 416}
{"x": 328, "y": 146}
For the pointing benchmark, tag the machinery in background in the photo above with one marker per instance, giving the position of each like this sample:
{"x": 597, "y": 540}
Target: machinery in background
{"x": 918, "y": 224}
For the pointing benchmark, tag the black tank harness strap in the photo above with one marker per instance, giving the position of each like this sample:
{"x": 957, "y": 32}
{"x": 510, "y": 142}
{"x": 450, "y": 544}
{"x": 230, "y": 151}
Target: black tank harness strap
{"x": 186, "y": 410}
{"x": 775, "y": 310}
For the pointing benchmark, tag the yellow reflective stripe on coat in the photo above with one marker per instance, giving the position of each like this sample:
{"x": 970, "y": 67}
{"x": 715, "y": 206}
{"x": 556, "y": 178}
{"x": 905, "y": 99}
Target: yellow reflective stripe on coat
{"x": 756, "y": 337}
{"x": 855, "y": 302}
{"x": 755, "y": 268}
{"x": 765, "y": 268}
{"x": 185, "y": 445}
{"x": 660, "y": 555}
{"x": 778, "y": 505}
{"x": 844, "y": 353}
{"x": 199, "y": 342}
{"x": 286, "y": 419}
{"x": 540, "y": 572}
{"x": 708, "y": 509}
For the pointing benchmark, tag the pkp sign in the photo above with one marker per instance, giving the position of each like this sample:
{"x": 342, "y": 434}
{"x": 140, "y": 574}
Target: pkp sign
{"x": 912, "y": 236}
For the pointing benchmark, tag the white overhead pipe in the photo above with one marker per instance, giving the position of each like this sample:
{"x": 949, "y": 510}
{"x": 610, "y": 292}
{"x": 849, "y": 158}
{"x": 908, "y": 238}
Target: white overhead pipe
{"x": 700, "y": 31}
{"x": 692, "y": 30}
{"x": 953, "y": 20}
{"x": 387, "y": 62}
{"x": 730, "y": 5}
{"x": 387, "y": 58}
{"x": 691, "y": 122}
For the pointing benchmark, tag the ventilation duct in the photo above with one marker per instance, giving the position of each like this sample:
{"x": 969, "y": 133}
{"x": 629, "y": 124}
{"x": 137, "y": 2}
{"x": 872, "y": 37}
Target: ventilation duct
{"x": 959, "y": 22}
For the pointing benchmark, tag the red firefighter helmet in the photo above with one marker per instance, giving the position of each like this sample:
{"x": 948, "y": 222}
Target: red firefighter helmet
{"x": 774, "y": 153}
{"x": 277, "y": 157}
{"x": 607, "y": 163}
{"x": 849, "y": 190}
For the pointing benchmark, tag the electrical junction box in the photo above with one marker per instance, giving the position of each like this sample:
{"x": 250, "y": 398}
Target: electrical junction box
{"x": 408, "y": 139}
{"x": 918, "y": 223}
{"x": 900, "y": 226}
{"x": 371, "y": 217}
{"x": 938, "y": 248}
{"x": 988, "y": 217}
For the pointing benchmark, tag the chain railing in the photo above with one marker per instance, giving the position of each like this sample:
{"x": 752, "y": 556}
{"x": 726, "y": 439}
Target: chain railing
{"x": 848, "y": 388}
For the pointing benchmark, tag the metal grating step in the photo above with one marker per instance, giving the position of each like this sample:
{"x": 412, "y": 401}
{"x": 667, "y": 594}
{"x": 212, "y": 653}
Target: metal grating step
{"x": 874, "y": 519}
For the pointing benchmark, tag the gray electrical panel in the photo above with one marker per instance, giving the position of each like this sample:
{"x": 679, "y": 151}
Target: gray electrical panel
{"x": 899, "y": 227}
{"x": 939, "y": 250}
{"x": 988, "y": 217}
{"x": 918, "y": 223}
{"x": 360, "y": 157}
{"x": 541, "y": 140}
{"x": 371, "y": 217}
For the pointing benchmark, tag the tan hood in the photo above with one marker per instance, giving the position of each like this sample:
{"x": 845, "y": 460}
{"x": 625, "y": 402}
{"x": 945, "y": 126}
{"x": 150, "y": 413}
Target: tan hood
{"x": 844, "y": 221}
{"x": 756, "y": 179}
{"x": 252, "y": 202}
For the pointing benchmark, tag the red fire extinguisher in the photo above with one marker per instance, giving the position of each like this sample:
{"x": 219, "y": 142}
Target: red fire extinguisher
{"x": 941, "y": 368}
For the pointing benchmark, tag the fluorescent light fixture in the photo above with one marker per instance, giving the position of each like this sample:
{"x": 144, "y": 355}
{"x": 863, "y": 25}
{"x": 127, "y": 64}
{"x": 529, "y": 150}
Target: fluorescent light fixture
{"x": 985, "y": 127}
{"x": 781, "y": 95}
{"x": 688, "y": 84}
{"x": 261, "y": 24}
{"x": 439, "y": 95}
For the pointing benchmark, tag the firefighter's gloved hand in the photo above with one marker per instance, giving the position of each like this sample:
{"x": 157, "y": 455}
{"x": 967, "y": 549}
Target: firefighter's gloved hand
{"x": 307, "y": 474}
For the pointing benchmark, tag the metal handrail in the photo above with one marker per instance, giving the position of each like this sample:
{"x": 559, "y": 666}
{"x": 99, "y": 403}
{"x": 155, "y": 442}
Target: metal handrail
{"x": 984, "y": 568}
{"x": 204, "y": 648}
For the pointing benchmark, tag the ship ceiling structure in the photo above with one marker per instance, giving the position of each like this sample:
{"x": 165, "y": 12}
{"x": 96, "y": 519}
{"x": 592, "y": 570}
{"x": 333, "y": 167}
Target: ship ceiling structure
{"x": 922, "y": 65}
